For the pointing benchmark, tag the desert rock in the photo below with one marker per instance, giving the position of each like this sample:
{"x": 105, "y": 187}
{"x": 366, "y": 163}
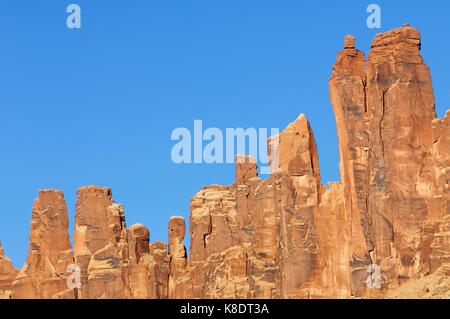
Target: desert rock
{"x": 383, "y": 230}
{"x": 45, "y": 272}
{"x": 7, "y": 273}
{"x": 101, "y": 247}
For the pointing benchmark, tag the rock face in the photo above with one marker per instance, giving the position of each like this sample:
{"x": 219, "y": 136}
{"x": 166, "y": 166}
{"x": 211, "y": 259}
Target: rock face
{"x": 159, "y": 266}
{"x": 400, "y": 103}
{"x": 139, "y": 249}
{"x": 7, "y": 273}
{"x": 348, "y": 97}
{"x": 179, "y": 280}
{"x": 258, "y": 238}
{"x": 385, "y": 117}
{"x": 101, "y": 245}
{"x": 149, "y": 265}
{"x": 45, "y": 273}
{"x": 382, "y": 231}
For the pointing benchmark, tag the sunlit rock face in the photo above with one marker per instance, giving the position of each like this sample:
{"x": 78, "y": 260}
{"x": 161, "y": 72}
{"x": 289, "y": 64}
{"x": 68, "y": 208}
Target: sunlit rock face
{"x": 400, "y": 104}
{"x": 179, "y": 279}
{"x": 7, "y": 274}
{"x": 44, "y": 274}
{"x": 101, "y": 246}
{"x": 258, "y": 238}
{"x": 348, "y": 97}
{"x": 383, "y": 230}
{"x": 390, "y": 143}
{"x": 387, "y": 217}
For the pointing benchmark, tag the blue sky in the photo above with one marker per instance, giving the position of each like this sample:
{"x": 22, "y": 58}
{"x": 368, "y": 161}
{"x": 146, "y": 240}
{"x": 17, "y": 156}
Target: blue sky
{"x": 98, "y": 105}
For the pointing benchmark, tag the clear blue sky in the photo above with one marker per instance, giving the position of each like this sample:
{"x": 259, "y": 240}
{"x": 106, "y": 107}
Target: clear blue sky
{"x": 98, "y": 105}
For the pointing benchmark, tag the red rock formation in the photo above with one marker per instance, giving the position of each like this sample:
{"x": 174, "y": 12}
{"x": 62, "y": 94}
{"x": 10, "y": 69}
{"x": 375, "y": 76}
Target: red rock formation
{"x": 299, "y": 195}
{"x": 383, "y": 230}
{"x": 101, "y": 247}
{"x": 179, "y": 280}
{"x": 400, "y": 104}
{"x": 159, "y": 265}
{"x": 139, "y": 253}
{"x": 392, "y": 184}
{"x": 150, "y": 266}
{"x": 335, "y": 267}
{"x": 348, "y": 97}
{"x": 256, "y": 238}
{"x": 214, "y": 233}
{"x": 7, "y": 272}
{"x": 312, "y": 242}
{"x": 44, "y": 274}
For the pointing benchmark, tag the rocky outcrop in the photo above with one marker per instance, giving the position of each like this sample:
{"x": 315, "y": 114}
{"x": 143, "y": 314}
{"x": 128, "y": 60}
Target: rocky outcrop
{"x": 334, "y": 267}
{"x": 438, "y": 164}
{"x": 257, "y": 238}
{"x": 159, "y": 265}
{"x": 393, "y": 189}
{"x": 381, "y": 226}
{"x": 214, "y": 245}
{"x": 139, "y": 259}
{"x": 400, "y": 104}
{"x": 45, "y": 272}
{"x": 101, "y": 246}
{"x": 179, "y": 279}
{"x": 149, "y": 265}
{"x": 383, "y": 230}
{"x": 435, "y": 286}
{"x": 299, "y": 195}
{"x": 7, "y": 273}
{"x": 348, "y": 97}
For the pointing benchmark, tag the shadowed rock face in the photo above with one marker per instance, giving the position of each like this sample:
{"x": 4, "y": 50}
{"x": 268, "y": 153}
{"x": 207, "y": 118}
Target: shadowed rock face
{"x": 287, "y": 236}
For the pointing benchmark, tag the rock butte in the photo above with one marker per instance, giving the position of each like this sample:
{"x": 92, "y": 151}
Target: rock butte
{"x": 287, "y": 236}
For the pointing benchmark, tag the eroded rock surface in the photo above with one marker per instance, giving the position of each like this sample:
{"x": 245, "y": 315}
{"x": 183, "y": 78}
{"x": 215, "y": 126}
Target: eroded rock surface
{"x": 101, "y": 246}
{"x": 7, "y": 273}
{"x": 44, "y": 274}
{"x": 383, "y": 230}
{"x": 392, "y": 159}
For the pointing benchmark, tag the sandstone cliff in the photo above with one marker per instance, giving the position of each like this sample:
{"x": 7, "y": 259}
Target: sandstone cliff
{"x": 44, "y": 274}
{"x": 101, "y": 245}
{"x": 393, "y": 184}
{"x": 382, "y": 231}
{"x": 7, "y": 274}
